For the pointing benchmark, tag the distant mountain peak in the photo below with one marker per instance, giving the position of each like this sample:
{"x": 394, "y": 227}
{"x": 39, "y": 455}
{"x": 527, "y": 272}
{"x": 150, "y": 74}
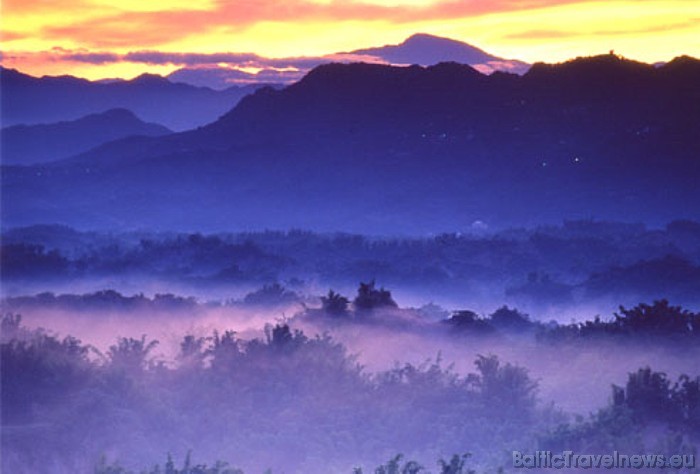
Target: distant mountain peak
{"x": 31, "y": 144}
{"x": 426, "y": 40}
{"x": 147, "y": 78}
{"x": 427, "y": 50}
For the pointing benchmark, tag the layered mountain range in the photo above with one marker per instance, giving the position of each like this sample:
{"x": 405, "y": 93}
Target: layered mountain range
{"x": 29, "y": 100}
{"x": 419, "y": 49}
{"x": 31, "y": 144}
{"x": 380, "y": 149}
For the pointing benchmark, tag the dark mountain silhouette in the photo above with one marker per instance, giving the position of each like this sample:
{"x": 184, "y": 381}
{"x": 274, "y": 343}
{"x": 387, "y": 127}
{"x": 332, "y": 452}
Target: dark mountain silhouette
{"x": 30, "y": 100}
{"x": 428, "y": 50}
{"x": 30, "y": 144}
{"x": 379, "y": 149}
{"x": 420, "y": 49}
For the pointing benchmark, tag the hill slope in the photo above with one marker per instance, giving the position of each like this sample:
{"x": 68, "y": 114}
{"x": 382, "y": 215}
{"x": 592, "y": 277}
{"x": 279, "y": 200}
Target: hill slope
{"x": 428, "y": 50}
{"x": 31, "y": 144}
{"x": 30, "y": 100}
{"x": 378, "y": 149}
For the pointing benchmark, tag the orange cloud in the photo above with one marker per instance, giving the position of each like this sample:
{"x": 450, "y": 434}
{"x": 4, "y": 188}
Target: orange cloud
{"x": 531, "y": 30}
{"x": 122, "y": 29}
{"x": 691, "y": 23}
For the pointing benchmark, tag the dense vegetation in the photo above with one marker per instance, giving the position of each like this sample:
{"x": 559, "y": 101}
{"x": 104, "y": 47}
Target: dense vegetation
{"x": 296, "y": 403}
{"x": 302, "y": 400}
{"x": 579, "y": 261}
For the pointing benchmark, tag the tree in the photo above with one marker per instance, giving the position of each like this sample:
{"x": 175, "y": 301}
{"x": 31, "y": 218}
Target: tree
{"x": 130, "y": 353}
{"x": 368, "y": 297}
{"x": 512, "y": 319}
{"x": 466, "y": 319}
{"x": 659, "y": 318}
{"x": 455, "y": 465}
{"x": 506, "y": 389}
{"x": 335, "y": 304}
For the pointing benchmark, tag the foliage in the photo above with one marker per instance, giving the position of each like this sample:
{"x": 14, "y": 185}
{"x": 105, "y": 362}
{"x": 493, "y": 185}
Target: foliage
{"x": 335, "y": 304}
{"x": 368, "y": 297}
{"x": 649, "y": 399}
{"x": 219, "y": 467}
{"x": 659, "y": 320}
{"x": 298, "y": 399}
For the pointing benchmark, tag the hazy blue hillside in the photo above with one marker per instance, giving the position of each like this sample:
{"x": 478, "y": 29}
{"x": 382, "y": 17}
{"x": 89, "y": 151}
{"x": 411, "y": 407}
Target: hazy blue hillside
{"x": 32, "y": 100}
{"x": 427, "y": 50}
{"x": 378, "y": 149}
{"x": 30, "y": 144}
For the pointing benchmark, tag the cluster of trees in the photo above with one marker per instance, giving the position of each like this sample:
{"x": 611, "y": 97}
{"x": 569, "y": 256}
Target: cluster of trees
{"x": 546, "y": 264}
{"x": 285, "y": 401}
{"x": 649, "y": 403}
{"x": 396, "y": 465}
{"x": 659, "y": 320}
{"x": 644, "y": 321}
{"x": 219, "y": 467}
{"x": 103, "y": 300}
{"x": 368, "y": 298}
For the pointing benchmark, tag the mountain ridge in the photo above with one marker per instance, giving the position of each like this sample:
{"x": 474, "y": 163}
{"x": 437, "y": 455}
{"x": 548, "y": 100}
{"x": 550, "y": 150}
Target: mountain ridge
{"x": 33, "y": 144}
{"x": 360, "y": 147}
{"x": 427, "y": 50}
{"x": 30, "y": 100}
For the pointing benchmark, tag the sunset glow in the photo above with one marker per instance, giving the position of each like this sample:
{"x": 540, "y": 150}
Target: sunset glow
{"x": 90, "y": 38}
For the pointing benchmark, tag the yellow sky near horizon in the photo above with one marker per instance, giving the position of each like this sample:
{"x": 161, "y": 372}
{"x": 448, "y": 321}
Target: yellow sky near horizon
{"x": 88, "y": 38}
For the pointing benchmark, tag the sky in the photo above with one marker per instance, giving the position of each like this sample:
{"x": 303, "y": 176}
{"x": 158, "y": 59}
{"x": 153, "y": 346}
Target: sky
{"x": 106, "y": 39}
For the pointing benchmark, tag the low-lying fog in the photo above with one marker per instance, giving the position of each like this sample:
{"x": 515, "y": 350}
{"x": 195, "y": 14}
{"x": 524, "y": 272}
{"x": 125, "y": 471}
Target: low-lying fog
{"x": 576, "y": 378}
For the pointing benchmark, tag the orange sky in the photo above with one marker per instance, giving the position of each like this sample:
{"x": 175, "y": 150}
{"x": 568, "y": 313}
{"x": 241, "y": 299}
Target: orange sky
{"x": 89, "y": 38}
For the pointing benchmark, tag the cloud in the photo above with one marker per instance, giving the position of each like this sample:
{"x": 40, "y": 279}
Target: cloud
{"x": 238, "y": 60}
{"x": 191, "y": 59}
{"x": 11, "y": 35}
{"x": 217, "y": 70}
{"x": 221, "y": 78}
{"x": 125, "y": 29}
{"x": 540, "y": 34}
{"x": 92, "y": 58}
{"x": 533, "y": 30}
{"x": 554, "y": 34}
